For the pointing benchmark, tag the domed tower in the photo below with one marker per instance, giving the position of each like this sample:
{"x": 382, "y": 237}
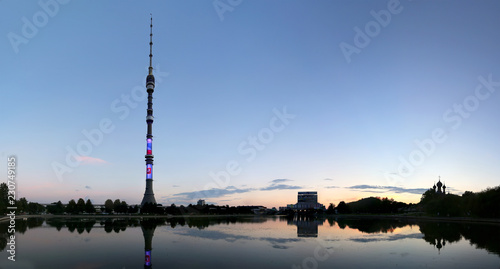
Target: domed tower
{"x": 439, "y": 185}
{"x": 149, "y": 196}
{"x": 434, "y": 187}
{"x": 444, "y": 188}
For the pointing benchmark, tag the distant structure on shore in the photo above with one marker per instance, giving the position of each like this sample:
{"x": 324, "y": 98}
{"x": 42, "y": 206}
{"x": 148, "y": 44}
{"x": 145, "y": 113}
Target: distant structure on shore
{"x": 149, "y": 196}
{"x": 439, "y": 186}
{"x": 305, "y": 200}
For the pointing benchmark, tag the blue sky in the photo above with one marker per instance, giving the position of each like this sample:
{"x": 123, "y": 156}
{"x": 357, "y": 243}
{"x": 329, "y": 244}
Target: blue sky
{"x": 254, "y": 100}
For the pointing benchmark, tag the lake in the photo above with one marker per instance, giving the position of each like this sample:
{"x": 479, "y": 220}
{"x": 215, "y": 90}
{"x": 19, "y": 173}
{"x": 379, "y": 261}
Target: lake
{"x": 251, "y": 242}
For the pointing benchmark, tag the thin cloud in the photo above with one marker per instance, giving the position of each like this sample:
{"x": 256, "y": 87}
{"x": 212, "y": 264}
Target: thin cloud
{"x": 382, "y": 189}
{"x": 332, "y": 187}
{"x": 275, "y": 186}
{"x": 280, "y": 180}
{"x": 328, "y": 179}
{"x": 90, "y": 160}
{"x": 280, "y": 187}
{"x": 88, "y": 187}
{"x": 211, "y": 193}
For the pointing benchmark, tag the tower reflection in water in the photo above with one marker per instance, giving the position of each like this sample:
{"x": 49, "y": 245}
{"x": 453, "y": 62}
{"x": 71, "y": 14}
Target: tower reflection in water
{"x": 148, "y": 227}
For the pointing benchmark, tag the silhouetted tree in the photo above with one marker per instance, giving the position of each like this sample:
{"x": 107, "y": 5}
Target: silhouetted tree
{"x": 80, "y": 205}
{"x": 35, "y": 208}
{"x": 56, "y": 208}
{"x": 109, "y": 206}
{"x": 428, "y": 196}
{"x": 331, "y": 209}
{"x": 133, "y": 209}
{"x": 343, "y": 208}
{"x": 488, "y": 202}
{"x": 71, "y": 207}
{"x": 116, "y": 205}
{"x": 89, "y": 207}
{"x": 120, "y": 207}
{"x": 22, "y": 205}
{"x": 172, "y": 210}
{"x": 4, "y": 192}
{"x": 148, "y": 208}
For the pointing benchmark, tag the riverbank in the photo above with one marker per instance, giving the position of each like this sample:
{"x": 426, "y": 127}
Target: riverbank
{"x": 351, "y": 216}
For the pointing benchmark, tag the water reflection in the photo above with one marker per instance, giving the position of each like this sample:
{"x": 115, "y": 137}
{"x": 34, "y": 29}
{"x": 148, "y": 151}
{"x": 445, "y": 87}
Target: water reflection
{"x": 307, "y": 226}
{"x": 272, "y": 233}
{"x": 148, "y": 227}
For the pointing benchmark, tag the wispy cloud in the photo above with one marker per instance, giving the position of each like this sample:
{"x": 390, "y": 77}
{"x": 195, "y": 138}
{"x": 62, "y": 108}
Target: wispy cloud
{"x": 382, "y": 189}
{"x": 280, "y": 187}
{"x": 175, "y": 186}
{"x": 88, "y": 187}
{"x": 222, "y": 192}
{"x": 332, "y": 187}
{"x": 328, "y": 179}
{"x": 211, "y": 193}
{"x": 275, "y": 186}
{"x": 90, "y": 160}
{"x": 280, "y": 180}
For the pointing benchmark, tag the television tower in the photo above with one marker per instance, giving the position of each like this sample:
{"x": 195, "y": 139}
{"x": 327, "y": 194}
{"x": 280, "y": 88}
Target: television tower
{"x": 149, "y": 196}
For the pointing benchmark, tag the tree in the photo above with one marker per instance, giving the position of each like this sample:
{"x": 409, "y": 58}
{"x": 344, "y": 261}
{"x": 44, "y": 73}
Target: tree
{"x": 123, "y": 207}
{"x": 22, "y": 205}
{"x": 4, "y": 191}
{"x": 35, "y": 208}
{"x": 71, "y": 207}
{"x": 330, "y": 209}
{"x": 148, "y": 208}
{"x": 89, "y": 207}
{"x": 55, "y": 208}
{"x": 343, "y": 208}
{"x": 80, "y": 205}
{"x": 172, "y": 210}
{"x": 133, "y": 209}
{"x": 108, "y": 206}
{"x": 117, "y": 202}
{"x": 116, "y": 205}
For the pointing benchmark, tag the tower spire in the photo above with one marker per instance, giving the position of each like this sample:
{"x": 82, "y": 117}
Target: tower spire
{"x": 151, "y": 46}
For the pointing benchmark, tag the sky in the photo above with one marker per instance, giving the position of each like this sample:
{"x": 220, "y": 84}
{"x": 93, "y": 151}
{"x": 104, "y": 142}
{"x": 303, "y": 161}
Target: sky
{"x": 254, "y": 100}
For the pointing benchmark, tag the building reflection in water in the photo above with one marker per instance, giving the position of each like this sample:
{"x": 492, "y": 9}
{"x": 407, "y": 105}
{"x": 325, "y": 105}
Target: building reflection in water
{"x": 307, "y": 226}
{"x": 439, "y": 234}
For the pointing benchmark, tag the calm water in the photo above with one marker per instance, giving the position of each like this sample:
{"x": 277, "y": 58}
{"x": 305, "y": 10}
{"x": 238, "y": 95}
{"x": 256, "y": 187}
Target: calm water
{"x": 257, "y": 242}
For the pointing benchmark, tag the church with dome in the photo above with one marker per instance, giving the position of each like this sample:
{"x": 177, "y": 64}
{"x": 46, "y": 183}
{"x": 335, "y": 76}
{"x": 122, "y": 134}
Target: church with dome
{"x": 441, "y": 188}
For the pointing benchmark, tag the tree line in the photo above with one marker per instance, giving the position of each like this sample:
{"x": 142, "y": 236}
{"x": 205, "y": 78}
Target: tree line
{"x": 370, "y": 205}
{"x": 22, "y": 204}
{"x": 82, "y": 207}
{"x": 196, "y": 209}
{"x": 483, "y": 204}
